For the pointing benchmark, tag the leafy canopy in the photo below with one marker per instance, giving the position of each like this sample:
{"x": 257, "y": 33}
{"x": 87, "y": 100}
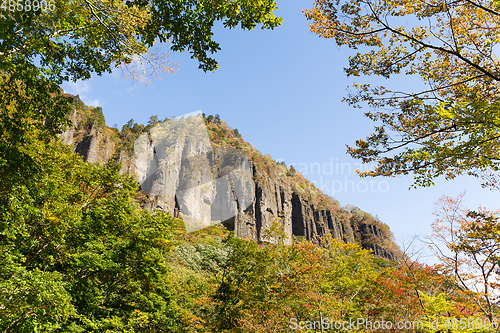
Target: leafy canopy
{"x": 80, "y": 37}
{"x": 450, "y": 125}
{"x": 78, "y": 254}
{"x": 39, "y": 50}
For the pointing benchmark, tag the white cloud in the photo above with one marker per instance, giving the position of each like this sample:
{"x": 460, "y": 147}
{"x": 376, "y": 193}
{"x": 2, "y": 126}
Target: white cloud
{"x": 95, "y": 102}
{"x": 83, "y": 89}
{"x": 77, "y": 88}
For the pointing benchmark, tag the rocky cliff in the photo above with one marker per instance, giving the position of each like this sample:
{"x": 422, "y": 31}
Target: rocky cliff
{"x": 273, "y": 193}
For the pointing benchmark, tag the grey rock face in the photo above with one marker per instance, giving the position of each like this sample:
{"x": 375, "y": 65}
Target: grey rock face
{"x": 96, "y": 147}
{"x": 248, "y": 206}
{"x": 176, "y": 161}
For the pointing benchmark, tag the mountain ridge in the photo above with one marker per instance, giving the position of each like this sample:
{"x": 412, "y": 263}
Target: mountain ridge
{"x": 281, "y": 194}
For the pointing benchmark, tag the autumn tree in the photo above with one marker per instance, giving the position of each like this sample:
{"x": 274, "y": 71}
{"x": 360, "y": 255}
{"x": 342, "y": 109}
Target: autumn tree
{"x": 449, "y": 125}
{"x": 467, "y": 244}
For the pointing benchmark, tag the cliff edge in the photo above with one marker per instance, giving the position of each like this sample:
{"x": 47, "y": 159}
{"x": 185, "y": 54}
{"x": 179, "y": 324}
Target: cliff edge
{"x": 279, "y": 194}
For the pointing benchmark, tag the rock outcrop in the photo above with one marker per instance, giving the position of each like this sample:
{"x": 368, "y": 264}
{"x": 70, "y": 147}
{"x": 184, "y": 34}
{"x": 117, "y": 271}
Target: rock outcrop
{"x": 278, "y": 194}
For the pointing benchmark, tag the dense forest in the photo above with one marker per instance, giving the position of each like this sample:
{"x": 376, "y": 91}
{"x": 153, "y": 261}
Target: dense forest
{"x": 80, "y": 253}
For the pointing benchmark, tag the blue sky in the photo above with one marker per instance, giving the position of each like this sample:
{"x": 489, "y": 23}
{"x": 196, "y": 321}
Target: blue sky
{"x": 282, "y": 90}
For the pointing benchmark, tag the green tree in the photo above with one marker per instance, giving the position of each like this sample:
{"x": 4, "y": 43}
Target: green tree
{"x": 450, "y": 125}
{"x": 73, "y": 40}
{"x": 77, "y": 254}
{"x": 153, "y": 120}
{"x": 217, "y": 119}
